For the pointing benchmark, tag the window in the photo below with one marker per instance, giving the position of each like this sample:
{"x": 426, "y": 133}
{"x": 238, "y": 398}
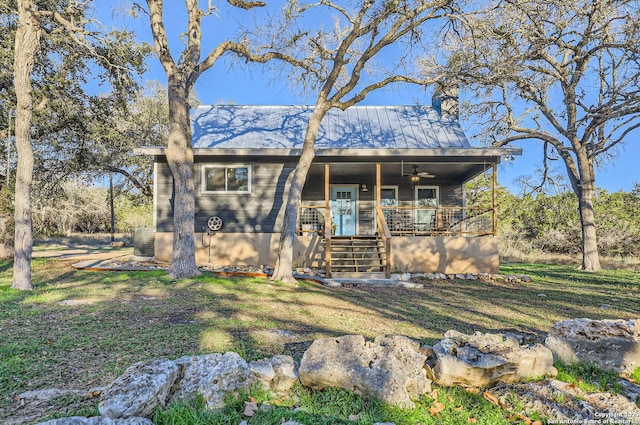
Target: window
{"x": 388, "y": 197}
{"x": 427, "y": 196}
{"x": 231, "y": 178}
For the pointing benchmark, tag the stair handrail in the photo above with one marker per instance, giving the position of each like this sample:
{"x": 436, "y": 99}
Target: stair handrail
{"x": 385, "y": 234}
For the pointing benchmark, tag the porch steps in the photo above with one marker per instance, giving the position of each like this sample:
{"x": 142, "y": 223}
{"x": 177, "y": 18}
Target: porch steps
{"x": 357, "y": 256}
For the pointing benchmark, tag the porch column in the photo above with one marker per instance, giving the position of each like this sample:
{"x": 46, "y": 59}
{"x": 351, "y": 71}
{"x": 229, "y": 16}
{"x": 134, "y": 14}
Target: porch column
{"x": 378, "y": 188}
{"x": 327, "y": 221}
{"x": 495, "y": 199}
{"x": 383, "y": 233}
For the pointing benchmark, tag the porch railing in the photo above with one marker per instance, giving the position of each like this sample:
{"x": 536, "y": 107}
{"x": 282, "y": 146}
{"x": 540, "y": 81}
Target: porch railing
{"x": 385, "y": 235}
{"x": 412, "y": 221}
{"x": 439, "y": 221}
{"x": 311, "y": 219}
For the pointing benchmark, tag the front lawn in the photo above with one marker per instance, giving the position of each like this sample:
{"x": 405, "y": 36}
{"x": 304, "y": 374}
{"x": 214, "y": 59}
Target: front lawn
{"x": 81, "y": 329}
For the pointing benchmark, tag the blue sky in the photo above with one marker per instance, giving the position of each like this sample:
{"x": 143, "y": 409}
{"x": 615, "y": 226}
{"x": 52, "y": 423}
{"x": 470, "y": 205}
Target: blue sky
{"x": 249, "y": 85}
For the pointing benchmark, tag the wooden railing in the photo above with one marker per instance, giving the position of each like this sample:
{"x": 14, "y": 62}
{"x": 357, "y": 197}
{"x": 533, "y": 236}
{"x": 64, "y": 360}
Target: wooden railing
{"x": 311, "y": 219}
{"x": 411, "y": 221}
{"x": 439, "y": 221}
{"x": 385, "y": 235}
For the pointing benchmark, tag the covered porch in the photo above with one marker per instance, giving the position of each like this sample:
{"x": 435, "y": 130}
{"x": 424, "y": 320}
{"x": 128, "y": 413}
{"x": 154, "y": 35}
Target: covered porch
{"x": 369, "y": 213}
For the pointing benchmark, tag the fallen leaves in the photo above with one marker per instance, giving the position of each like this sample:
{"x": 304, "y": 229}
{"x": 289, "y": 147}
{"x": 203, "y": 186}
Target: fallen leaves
{"x": 250, "y": 408}
{"x": 492, "y": 399}
{"x": 436, "y": 408}
{"x": 495, "y": 400}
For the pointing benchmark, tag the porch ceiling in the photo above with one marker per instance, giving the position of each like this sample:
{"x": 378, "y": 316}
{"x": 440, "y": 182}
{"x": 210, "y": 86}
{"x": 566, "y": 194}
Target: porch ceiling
{"x": 441, "y": 170}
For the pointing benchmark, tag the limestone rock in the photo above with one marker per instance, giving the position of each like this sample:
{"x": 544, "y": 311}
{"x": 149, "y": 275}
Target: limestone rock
{"x": 278, "y": 373}
{"x": 389, "y": 368}
{"x": 140, "y": 390}
{"x": 263, "y": 371}
{"x": 483, "y": 359}
{"x": 612, "y": 344}
{"x": 212, "y": 376}
{"x": 97, "y": 420}
{"x": 561, "y": 402}
{"x": 286, "y": 373}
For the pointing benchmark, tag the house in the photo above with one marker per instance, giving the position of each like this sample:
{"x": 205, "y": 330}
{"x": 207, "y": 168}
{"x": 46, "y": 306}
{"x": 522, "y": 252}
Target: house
{"x": 385, "y": 191}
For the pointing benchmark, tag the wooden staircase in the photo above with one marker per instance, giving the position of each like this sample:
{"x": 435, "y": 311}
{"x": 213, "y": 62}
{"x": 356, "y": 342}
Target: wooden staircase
{"x": 357, "y": 257}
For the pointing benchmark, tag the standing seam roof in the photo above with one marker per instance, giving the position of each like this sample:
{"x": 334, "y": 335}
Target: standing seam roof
{"x": 358, "y": 127}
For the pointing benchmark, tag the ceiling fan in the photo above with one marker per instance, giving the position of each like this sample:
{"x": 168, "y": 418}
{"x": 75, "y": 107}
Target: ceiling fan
{"x": 416, "y": 175}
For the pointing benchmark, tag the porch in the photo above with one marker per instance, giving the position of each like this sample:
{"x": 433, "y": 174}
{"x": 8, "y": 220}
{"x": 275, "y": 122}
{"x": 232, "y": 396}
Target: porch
{"x": 369, "y": 210}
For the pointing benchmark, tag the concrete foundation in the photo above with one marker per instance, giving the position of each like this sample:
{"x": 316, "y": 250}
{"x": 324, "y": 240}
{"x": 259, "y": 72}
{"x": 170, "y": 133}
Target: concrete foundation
{"x": 417, "y": 254}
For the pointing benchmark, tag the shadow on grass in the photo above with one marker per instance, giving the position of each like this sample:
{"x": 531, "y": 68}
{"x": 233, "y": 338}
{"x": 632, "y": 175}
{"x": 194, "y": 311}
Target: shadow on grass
{"x": 6, "y": 265}
{"x": 114, "y": 319}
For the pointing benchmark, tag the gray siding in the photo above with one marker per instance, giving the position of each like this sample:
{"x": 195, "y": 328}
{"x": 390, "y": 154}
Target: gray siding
{"x": 164, "y": 197}
{"x": 261, "y": 210}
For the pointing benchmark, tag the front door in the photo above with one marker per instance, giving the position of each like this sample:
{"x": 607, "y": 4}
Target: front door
{"x": 344, "y": 210}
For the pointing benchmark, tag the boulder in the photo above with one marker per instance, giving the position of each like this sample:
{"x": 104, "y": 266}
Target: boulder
{"x": 263, "y": 371}
{"x": 611, "y": 344}
{"x": 211, "y": 376}
{"x": 484, "y": 359}
{"x": 140, "y": 390}
{"x": 97, "y": 420}
{"x": 279, "y": 373}
{"x": 286, "y": 371}
{"x": 390, "y": 368}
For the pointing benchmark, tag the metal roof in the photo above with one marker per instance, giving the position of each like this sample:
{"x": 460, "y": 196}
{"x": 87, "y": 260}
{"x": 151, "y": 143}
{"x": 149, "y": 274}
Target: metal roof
{"x": 359, "y": 127}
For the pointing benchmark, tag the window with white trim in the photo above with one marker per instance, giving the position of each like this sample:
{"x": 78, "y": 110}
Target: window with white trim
{"x": 226, "y": 179}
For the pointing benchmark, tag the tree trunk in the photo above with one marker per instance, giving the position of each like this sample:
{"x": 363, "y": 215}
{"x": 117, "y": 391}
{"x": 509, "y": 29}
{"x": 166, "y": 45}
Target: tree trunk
{"x": 180, "y": 159}
{"x": 284, "y": 262}
{"x": 590, "y": 256}
{"x": 27, "y": 43}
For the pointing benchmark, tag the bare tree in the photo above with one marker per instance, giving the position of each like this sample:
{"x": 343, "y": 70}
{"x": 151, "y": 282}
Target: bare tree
{"x": 564, "y": 72}
{"x": 331, "y": 54}
{"x": 182, "y": 75}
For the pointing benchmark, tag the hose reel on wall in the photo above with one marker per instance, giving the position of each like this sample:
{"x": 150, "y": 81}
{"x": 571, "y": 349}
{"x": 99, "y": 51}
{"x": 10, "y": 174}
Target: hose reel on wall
{"x": 214, "y": 223}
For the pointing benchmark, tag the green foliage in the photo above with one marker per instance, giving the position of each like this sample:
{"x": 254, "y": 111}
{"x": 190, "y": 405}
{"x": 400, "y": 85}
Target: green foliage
{"x": 132, "y": 212}
{"x": 551, "y": 223}
{"x": 589, "y": 377}
{"x": 69, "y": 133}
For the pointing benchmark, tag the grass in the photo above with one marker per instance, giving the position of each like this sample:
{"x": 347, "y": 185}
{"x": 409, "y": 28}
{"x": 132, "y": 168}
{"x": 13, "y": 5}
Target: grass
{"x": 80, "y": 329}
{"x": 336, "y": 406}
{"x": 588, "y": 377}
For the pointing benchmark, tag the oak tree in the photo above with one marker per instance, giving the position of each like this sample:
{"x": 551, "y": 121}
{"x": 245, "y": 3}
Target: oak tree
{"x": 338, "y": 53}
{"x": 59, "y": 33}
{"x": 183, "y": 70}
{"x": 563, "y": 72}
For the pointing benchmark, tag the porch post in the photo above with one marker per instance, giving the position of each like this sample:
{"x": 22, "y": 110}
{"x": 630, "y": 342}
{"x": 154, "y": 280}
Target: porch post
{"x": 387, "y": 241}
{"x": 328, "y": 228}
{"x": 495, "y": 199}
{"x": 378, "y": 188}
